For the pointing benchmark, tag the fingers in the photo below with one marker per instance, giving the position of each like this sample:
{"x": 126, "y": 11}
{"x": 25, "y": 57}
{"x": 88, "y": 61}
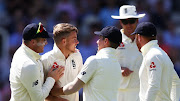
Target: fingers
{"x": 56, "y": 72}
{"x": 52, "y": 69}
{"x": 126, "y": 72}
{"x": 61, "y": 69}
{"x": 61, "y": 75}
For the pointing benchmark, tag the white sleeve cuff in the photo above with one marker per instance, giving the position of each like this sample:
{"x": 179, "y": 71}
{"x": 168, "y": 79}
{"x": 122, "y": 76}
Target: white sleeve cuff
{"x": 50, "y": 81}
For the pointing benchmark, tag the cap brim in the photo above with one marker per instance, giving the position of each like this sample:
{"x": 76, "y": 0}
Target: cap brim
{"x": 97, "y": 33}
{"x": 133, "y": 33}
{"x": 126, "y": 17}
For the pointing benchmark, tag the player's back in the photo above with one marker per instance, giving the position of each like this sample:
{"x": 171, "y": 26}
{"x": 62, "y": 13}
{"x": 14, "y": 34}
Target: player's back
{"x": 105, "y": 82}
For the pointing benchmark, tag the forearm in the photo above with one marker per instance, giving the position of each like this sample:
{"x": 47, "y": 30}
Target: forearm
{"x": 57, "y": 90}
{"x": 54, "y": 98}
{"x": 73, "y": 87}
{"x": 69, "y": 89}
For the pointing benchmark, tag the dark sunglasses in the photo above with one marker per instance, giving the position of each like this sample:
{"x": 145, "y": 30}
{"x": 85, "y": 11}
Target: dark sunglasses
{"x": 40, "y": 28}
{"x": 130, "y": 21}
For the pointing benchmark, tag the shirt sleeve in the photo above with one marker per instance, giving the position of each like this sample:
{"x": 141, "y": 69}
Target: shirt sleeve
{"x": 154, "y": 69}
{"x": 30, "y": 78}
{"x": 175, "y": 91}
{"x": 88, "y": 69}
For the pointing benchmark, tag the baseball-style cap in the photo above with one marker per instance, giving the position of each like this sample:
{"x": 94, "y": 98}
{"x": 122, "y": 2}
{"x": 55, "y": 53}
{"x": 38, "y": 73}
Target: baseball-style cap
{"x": 112, "y": 33}
{"x": 32, "y": 31}
{"x": 127, "y": 11}
{"x": 145, "y": 29}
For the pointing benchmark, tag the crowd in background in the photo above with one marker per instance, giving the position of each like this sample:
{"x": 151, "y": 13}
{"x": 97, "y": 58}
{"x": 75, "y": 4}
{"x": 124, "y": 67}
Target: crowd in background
{"x": 88, "y": 16}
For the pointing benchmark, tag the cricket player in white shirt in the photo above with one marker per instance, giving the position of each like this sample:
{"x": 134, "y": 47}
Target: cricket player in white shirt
{"x": 128, "y": 54}
{"x": 26, "y": 73}
{"x": 65, "y": 54}
{"x": 100, "y": 77}
{"x": 157, "y": 74}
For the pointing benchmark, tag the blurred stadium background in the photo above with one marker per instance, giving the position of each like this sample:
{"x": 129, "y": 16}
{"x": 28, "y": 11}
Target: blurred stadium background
{"x": 88, "y": 16}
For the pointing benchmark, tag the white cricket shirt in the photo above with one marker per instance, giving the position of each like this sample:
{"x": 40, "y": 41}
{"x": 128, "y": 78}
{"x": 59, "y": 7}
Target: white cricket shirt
{"x": 130, "y": 57}
{"x": 72, "y": 64}
{"x": 101, "y": 75}
{"x": 156, "y": 73}
{"x": 27, "y": 77}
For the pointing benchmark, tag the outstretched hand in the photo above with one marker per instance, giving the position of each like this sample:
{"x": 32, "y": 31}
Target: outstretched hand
{"x": 56, "y": 73}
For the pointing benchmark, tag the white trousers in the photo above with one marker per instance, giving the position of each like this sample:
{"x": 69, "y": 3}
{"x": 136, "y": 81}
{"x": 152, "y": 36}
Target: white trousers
{"x": 128, "y": 95}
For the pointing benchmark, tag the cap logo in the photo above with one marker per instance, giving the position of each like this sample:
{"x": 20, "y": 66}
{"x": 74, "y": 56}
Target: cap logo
{"x": 40, "y": 28}
{"x": 125, "y": 10}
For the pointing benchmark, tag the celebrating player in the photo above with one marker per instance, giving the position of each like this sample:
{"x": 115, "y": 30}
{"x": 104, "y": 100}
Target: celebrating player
{"x": 100, "y": 77}
{"x": 64, "y": 53}
{"x": 26, "y": 73}
{"x": 157, "y": 74}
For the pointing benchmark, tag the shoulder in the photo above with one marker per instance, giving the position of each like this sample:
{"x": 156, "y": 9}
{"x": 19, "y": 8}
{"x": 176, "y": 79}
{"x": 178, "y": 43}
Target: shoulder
{"x": 155, "y": 52}
{"x": 91, "y": 60}
{"x": 47, "y": 56}
{"x": 156, "y": 55}
{"x": 76, "y": 54}
{"x": 28, "y": 66}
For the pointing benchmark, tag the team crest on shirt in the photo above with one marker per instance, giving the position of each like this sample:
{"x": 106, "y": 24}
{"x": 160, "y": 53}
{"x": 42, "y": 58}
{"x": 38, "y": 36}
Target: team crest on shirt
{"x": 35, "y": 83}
{"x": 73, "y": 64}
{"x": 122, "y": 46}
{"x": 55, "y": 66}
{"x": 152, "y": 66}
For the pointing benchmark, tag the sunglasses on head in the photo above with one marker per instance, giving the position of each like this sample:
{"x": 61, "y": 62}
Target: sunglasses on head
{"x": 40, "y": 28}
{"x": 128, "y": 21}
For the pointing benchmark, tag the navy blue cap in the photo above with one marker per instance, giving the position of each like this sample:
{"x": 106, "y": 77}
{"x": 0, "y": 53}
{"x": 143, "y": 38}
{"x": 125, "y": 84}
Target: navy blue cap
{"x": 32, "y": 31}
{"x": 112, "y": 33}
{"x": 146, "y": 29}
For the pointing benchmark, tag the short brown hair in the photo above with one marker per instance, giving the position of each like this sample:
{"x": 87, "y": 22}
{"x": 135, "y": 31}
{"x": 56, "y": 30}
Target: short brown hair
{"x": 112, "y": 44}
{"x": 63, "y": 30}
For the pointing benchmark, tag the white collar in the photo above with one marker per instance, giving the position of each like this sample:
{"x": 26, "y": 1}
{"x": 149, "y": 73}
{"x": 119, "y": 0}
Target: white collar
{"x": 108, "y": 51}
{"x": 58, "y": 52}
{"x": 147, "y": 46}
{"x": 124, "y": 37}
{"x": 32, "y": 53}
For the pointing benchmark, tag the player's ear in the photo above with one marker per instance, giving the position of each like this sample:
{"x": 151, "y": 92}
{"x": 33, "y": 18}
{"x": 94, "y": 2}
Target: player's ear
{"x": 33, "y": 42}
{"x": 106, "y": 40}
{"x": 64, "y": 41}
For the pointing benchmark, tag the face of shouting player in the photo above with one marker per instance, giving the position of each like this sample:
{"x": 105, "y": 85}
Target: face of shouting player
{"x": 39, "y": 44}
{"x": 100, "y": 43}
{"x": 71, "y": 42}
